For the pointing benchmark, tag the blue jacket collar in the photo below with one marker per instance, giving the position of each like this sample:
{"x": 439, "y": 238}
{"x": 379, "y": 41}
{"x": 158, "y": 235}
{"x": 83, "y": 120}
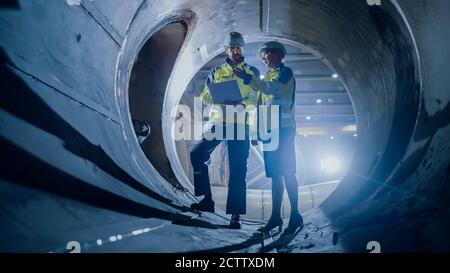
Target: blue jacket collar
{"x": 279, "y": 68}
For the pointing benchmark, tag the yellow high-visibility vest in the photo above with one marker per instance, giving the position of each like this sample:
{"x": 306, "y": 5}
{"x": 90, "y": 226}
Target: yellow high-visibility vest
{"x": 278, "y": 88}
{"x": 225, "y": 73}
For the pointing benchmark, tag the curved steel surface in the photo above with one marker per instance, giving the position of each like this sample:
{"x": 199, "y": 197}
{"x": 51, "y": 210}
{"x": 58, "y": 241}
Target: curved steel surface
{"x": 73, "y": 170}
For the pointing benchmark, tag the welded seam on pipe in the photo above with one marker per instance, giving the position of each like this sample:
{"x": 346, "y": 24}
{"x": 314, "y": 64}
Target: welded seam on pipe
{"x": 103, "y": 22}
{"x": 97, "y": 108}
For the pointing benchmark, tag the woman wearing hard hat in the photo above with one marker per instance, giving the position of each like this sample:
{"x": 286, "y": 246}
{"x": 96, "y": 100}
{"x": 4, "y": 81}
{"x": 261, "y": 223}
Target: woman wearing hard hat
{"x": 278, "y": 88}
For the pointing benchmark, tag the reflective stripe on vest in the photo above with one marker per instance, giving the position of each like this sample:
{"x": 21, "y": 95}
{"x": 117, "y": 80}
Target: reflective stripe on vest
{"x": 286, "y": 100}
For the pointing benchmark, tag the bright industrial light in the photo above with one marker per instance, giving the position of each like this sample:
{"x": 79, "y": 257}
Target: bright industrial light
{"x": 261, "y": 77}
{"x": 355, "y": 135}
{"x": 305, "y": 135}
{"x": 331, "y": 137}
{"x": 334, "y": 76}
{"x": 318, "y": 101}
{"x": 349, "y": 128}
{"x": 308, "y": 117}
{"x": 330, "y": 165}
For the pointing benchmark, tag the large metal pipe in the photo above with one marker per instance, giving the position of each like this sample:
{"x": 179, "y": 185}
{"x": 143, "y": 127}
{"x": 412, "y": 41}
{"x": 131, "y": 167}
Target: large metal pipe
{"x": 71, "y": 162}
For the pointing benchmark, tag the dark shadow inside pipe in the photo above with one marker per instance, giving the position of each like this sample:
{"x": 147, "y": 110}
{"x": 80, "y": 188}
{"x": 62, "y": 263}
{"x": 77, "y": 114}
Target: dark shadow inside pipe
{"x": 147, "y": 87}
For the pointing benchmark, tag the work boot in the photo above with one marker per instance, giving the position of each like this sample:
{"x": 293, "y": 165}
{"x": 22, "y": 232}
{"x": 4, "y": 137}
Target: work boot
{"x": 235, "y": 222}
{"x": 205, "y": 205}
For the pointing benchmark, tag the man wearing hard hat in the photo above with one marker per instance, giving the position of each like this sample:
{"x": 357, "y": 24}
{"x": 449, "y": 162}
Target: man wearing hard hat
{"x": 238, "y": 150}
{"x": 278, "y": 88}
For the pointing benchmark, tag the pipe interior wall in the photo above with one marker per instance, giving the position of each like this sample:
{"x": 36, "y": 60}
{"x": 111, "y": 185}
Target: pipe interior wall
{"x": 71, "y": 162}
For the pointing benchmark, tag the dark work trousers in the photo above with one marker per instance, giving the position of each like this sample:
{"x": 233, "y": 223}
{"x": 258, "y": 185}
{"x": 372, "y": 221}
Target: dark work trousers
{"x": 237, "y": 157}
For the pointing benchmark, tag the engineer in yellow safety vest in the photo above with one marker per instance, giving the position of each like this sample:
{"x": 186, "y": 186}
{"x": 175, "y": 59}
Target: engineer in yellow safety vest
{"x": 278, "y": 88}
{"x": 238, "y": 149}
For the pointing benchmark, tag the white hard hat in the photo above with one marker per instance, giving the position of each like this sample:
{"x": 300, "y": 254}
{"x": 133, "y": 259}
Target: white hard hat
{"x": 234, "y": 39}
{"x": 273, "y": 45}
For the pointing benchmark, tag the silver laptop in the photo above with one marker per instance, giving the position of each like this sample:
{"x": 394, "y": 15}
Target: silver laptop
{"x": 225, "y": 92}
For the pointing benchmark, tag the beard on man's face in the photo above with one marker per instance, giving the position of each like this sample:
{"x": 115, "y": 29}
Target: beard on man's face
{"x": 236, "y": 56}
